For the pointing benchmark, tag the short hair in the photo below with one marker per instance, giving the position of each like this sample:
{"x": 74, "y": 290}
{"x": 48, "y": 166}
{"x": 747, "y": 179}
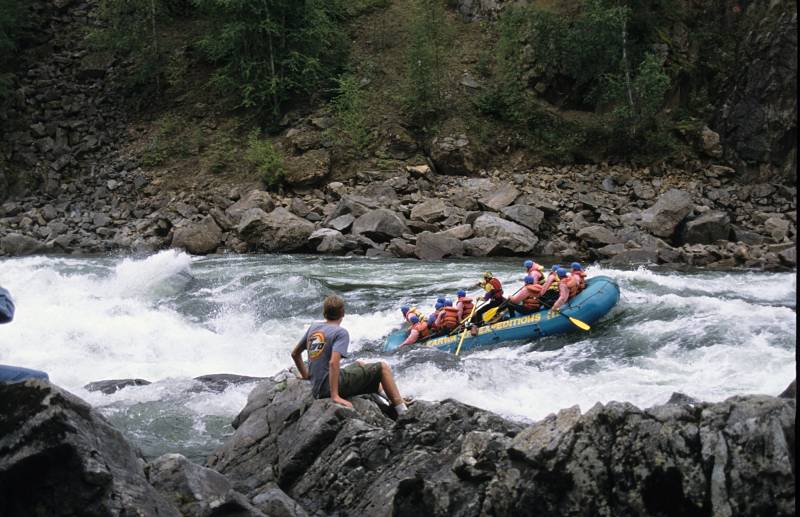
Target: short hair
{"x": 333, "y": 308}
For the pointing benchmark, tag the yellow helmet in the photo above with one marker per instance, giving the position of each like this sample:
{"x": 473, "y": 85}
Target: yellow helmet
{"x": 487, "y": 275}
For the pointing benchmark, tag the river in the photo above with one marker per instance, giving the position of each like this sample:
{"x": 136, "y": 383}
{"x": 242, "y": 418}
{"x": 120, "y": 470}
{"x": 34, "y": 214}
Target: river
{"x": 169, "y": 317}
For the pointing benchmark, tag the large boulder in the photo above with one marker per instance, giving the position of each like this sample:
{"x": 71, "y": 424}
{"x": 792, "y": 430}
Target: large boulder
{"x": 777, "y": 227}
{"x": 16, "y": 244}
{"x": 452, "y": 155}
{"x": 448, "y": 458}
{"x": 198, "y": 237}
{"x": 433, "y": 246}
{"x": 499, "y": 197}
{"x": 253, "y": 199}
{"x": 430, "y": 211}
{"x": 277, "y": 231}
{"x": 509, "y": 236}
{"x": 708, "y": 228}
{"x": 528, "y": 216}
{"x": 330, "y": 241}
{"x": 59, "y": 457}
{"x": 380, "y": 225}
{"x": 597, "y": 235}
{"x": 669, "y": 210}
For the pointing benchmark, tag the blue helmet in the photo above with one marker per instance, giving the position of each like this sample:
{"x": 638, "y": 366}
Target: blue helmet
{"x": 439, "y": 305}
{"x": 527, "y": 264}
{"x": 561, "y": 272}
{"x": 576, "y": 265}
{"x": 404, "y": 309}
{"x": 439, "y": 300}
{"x": 414, "y": 318}
{"x": 431, "y": 319}
{"x": 528, "y": 279}
{"x": 448, "y": 303}
{"x": 461, "y": 293}
{"x": 555, "y": 267}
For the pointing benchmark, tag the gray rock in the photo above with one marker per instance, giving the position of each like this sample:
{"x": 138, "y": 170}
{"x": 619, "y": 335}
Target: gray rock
{"x": 777, "y": 228}
{"x": 253, "y": 199}
{"x": 452, "y": 155}
{"x": 59, "y": 457}
{"x": 460, "y": 232}
{"x": 434, "y": 246}
{"x": 681, "y": 398}
{"x": 114, "y": 385}
{"x": 308, "y": 169}
{"x": 611, "y": 250}
{"x": 708, "y": 228}
{"x": 740, "y": 234}
{"x": 509, "y": 236}
{"x": 528, "y": 216}
{"x": 500, "y": 197}
{"x": 196, "y": 490}
{"x": 380, "y": 225}
{"x": 198, "y": 238}
{"x": 219, "y": 382}
{"x": 480, "y": 246}
{"x": 667, "y": 213}
{"x": 788, "y": 257}
{"x": 634, "y": 257}
{"x": 275, "y": 503}
{"x": 430, "y": 211}
{"x": 341, "y": 223}
{"x": 710, "y": 142}
{"x": 328, "y": 240}
{"x": 15, "y": 244}
{"x": 278, "y": 231}
{"x": 401, "y": 248}
{"x": 598, "y": 235}
{"x": 791, "y": 391}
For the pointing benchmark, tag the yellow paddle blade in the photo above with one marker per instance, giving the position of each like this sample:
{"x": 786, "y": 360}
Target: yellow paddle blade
{"x": 578, "y": 323}
{"x": 488, "y": 315}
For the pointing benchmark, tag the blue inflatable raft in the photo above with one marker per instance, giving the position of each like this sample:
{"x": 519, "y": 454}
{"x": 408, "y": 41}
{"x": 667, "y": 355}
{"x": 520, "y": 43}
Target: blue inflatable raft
{"x": 595, "y": 301}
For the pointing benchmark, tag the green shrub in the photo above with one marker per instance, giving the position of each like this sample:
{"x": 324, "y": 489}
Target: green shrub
{"x": 425, "y": 60}
{"x": 266, "y": 160}
{"x": 350, "y": 110}
{"x": 13, "y": 23}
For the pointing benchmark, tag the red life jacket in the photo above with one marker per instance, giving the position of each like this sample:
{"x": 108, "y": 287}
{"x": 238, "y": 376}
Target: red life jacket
{"x": 449, "y": 319}
{"x": 573, "y": 284}
{"x": 581, "y": 274}
{"x": 531, "y": 301}
{"x": 494, "y": 287}
{"x": 466, "y": 306}
{"x": 422, "y": 328}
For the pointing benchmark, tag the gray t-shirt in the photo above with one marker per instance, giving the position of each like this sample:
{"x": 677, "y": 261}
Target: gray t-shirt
{"x": 321, "y": 340}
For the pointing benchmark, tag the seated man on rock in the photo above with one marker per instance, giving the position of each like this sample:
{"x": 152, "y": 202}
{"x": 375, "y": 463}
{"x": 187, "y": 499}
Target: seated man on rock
{"x": 326, "y": 343}
{"x": 13, "y": 373}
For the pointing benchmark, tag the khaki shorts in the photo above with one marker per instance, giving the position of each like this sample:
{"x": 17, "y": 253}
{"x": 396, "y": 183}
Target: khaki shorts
{"x": 357, "y": 379}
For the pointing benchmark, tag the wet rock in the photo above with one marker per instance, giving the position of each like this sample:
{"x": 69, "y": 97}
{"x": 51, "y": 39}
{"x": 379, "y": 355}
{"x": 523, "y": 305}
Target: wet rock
{"x": 499, "y": 197}
{"x": 739, "y": 234}
{"x": 791, "y": 391}
{"x": 328, "y": 240}
{"x": 253, "y": 199}
{"x": 708, "y": 228}
{"x": 16, "y": 244}
{"x": 597, "y": 235}
{"x": 671, "y": 208}
{"x": 788, "y": 257}
{"x": 430, "y": 211}
{"x": 681, "y": 398}
{"x": 196, "y": 490}
{"x": 528, "y": 216}
{"x": 219, "y": 382}
{"x": 380, "y": 225}
{"x": 452, "y": 155}
{"x": 434, "y": 246}
{"x": 114, "y": 385}
{"x": 275, "y": 503}
{"x": 198, "y": 238}
{"x": 59, "y": 457}
{"x": 635, "y": 257}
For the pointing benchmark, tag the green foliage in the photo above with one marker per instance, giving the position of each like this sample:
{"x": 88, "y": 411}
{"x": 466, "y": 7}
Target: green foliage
{"x": 425, "y": 59}
{"x": 270, "y": 52}
{"x": 172, "y": 139}
{"x": 351, "y": 114}
{"x": 13, "y": 22}
{"x": 266, "y": 160}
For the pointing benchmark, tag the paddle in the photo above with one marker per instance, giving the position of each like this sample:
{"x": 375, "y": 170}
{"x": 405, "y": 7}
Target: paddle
{"x": 466, "y": 329}
{"x": 488, "y": 315}
{"x": 460, "y": 323}
{"x": 575, "y": 321}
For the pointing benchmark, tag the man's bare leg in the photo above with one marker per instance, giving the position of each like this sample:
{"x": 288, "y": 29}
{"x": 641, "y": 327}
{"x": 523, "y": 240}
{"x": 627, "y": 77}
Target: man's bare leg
{"x": 389, "y": 386}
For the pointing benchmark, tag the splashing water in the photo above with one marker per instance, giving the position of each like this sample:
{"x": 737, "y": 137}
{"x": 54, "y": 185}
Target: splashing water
{"x": 169, "y": 317}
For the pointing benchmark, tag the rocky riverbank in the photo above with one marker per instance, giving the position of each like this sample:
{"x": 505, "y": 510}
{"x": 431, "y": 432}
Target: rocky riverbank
{"x": 294, "y": 456}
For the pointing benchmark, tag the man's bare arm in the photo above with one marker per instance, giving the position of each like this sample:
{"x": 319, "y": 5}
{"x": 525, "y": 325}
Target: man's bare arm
{"x": 297, "y": 356}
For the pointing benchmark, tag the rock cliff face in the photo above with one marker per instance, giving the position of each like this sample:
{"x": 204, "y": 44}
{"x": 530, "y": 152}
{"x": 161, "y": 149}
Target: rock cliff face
{"x": 292, "y": 455}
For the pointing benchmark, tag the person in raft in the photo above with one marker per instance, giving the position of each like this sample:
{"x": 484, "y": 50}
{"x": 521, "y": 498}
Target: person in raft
{"x": 526, "y": 300}
{"x": 326, "y": 343}
{"x": 568, "y": 287}
{"x": 493, "y": 297}
{"x": 14, "y": 373}
{"x": 419, "y": 330}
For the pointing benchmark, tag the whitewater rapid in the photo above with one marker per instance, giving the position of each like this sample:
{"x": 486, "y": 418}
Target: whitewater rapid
{"x": 169, "y": 317}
